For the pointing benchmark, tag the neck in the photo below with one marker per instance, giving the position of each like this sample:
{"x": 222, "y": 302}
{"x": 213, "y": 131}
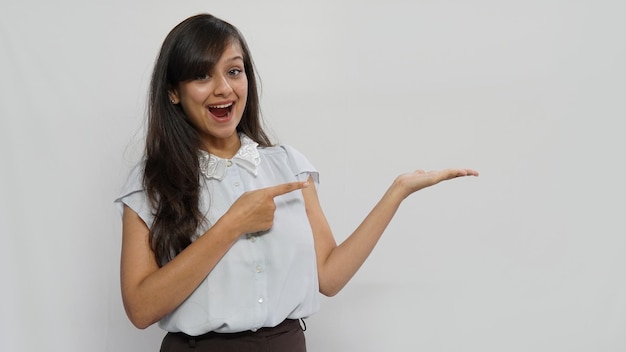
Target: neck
{"x": 223, "y": 148}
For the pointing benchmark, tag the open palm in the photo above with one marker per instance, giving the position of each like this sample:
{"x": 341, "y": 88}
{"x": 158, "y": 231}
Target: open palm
{"x": 419, "y": 179}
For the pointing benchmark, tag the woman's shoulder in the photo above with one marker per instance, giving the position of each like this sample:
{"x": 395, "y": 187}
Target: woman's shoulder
{"x": 133, "y": 183}
{"x": 134, "y": 180}
{"x": 296, "y": 160}
{"x": 282, "y": 150}
{"x": 133, "y": 195}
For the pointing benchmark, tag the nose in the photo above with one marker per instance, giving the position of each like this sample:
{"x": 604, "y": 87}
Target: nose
{"x": 222, "y": 87}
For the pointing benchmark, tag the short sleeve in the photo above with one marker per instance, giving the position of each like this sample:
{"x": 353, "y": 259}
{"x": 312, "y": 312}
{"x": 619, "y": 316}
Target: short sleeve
{"x": 134, "y": 196}
{"x": 300, "y": 165}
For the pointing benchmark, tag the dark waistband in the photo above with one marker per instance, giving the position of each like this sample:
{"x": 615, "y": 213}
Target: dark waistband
{"x": 286, "y": 325}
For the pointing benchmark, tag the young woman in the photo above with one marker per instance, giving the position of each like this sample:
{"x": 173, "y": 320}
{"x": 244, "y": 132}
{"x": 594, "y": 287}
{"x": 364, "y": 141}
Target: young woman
{"x": 225, "y": 243}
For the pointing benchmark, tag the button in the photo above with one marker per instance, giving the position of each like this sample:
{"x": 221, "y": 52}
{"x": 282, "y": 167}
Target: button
{"x": 261, "y": 300}
{"x": 253, "y": 238}
{"x": 259, "y": 269}
{"x": 229, "y": 163}
{"x": 254, "y": 329}
{"x": 236, "y": 184}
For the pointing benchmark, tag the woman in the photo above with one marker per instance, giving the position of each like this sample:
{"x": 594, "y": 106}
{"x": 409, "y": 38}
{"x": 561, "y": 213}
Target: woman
{"x": 225, "y": 243}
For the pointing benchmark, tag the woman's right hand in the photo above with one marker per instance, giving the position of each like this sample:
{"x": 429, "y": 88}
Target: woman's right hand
{"x": 150, "y": 292}
{"x": 254, "y": 210}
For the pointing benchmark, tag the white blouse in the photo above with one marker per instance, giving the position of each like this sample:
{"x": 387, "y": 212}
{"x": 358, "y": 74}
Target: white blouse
{"x": 263, "y": 278}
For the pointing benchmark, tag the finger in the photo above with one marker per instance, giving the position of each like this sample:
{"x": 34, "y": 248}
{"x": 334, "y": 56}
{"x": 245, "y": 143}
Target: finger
{"x": 278, "y": 190}
{"x": 463, "y": 172}
{"x": 466, "y": 172}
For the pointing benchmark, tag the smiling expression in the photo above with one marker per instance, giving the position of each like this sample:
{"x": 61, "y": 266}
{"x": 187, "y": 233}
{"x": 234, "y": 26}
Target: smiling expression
{"x": 214, "y": 102}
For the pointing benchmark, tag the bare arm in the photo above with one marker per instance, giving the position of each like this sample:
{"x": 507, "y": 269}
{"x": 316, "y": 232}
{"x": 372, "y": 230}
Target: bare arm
{"x": 337, "y": 264}
{"x": 149, "y": 292}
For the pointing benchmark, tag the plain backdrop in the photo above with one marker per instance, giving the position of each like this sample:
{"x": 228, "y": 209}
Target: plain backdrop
{"x": 527, "y": 257}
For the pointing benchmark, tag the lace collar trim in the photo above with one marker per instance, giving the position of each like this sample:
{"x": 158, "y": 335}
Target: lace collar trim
{"x": 246, "y": 157}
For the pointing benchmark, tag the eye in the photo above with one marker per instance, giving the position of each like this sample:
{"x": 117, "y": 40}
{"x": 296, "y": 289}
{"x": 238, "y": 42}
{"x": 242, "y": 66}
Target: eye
{"x": 203, "y": 77}
{"x": 235, "y": 72}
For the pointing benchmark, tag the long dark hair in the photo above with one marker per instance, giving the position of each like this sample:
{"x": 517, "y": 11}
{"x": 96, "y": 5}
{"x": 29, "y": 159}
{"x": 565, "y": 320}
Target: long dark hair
{"x": 172, "y": 175}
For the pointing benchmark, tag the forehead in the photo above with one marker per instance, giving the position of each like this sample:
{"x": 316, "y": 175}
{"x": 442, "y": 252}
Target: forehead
{"x": 232, "y": 51}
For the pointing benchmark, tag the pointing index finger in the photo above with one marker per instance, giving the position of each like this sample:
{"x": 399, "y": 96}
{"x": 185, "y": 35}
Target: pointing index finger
{"x": 281, "y": 189}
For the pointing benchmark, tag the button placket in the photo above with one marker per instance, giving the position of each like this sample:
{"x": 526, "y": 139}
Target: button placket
{"x": 234, "y": 179}
{"x": 256, "y": 259}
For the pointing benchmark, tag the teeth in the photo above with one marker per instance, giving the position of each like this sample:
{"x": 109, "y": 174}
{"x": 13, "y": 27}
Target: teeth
{"x": 220, "y": 106}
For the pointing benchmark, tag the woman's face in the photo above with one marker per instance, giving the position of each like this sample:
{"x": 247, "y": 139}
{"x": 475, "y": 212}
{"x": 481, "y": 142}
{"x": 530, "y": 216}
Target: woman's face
{"x": 214, "y": 103}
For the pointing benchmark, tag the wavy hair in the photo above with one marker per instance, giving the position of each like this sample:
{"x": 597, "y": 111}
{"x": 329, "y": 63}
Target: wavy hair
{"x": 171, "y": 175}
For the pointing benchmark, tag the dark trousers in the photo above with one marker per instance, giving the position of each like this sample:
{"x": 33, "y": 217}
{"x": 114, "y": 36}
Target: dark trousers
{"x": 285, "y": 337}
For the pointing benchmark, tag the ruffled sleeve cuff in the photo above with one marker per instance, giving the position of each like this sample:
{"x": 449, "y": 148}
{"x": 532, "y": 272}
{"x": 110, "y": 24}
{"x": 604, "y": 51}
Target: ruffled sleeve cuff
{"x": 134, "y": 196}
{"x": 300, "y": 165}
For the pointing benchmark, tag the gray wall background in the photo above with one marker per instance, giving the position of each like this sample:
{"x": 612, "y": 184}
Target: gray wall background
{"x": 528, "y": 257}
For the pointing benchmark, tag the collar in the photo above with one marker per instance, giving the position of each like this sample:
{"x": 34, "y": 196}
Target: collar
{"x": 246, "y": 157}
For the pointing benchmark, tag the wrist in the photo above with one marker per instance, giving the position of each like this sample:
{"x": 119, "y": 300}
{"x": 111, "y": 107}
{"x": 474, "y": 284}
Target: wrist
{"x": 227, "y": 228}
{"x": 398, "y": 189}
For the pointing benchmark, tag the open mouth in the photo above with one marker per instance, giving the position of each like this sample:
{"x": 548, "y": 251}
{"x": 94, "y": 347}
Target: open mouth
{"x": 220, "y": 111}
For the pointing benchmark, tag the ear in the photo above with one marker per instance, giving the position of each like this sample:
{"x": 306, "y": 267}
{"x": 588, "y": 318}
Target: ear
{"x": 174, "y": 97}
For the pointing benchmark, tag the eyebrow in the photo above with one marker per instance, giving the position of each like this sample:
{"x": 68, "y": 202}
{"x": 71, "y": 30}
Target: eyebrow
{"x": 234, "y": 58}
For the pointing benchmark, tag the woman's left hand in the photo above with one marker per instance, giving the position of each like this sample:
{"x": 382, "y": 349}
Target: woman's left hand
{"x": 414, "y": 181}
